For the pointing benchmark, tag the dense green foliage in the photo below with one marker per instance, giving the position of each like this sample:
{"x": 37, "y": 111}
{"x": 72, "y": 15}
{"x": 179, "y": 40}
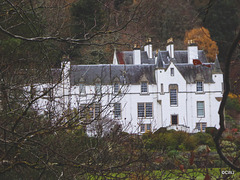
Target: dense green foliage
{"x": 233, "y": 104}
{"x": 89, "y": 16}
{"x": 176, "y": 140}
{"x": 222, "y": 20}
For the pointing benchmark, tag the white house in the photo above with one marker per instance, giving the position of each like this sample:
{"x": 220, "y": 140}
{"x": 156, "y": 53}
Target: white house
{"x": 144, "y": 90}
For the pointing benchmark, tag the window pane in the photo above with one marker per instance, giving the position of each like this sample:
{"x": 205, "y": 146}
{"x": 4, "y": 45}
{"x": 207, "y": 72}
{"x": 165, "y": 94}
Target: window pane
{"x": 173, "y": 96}
{"x": 97, "y": 110}
{"x": 144, "y": 87}
{"x": 116, "y": 88}
{"x": 174, "y": 119}
{"x": 204, "y": 125}
{"x": 142, "y": 127}
{"x": 198, "y": 126}
{"x": 172, "y": 71}
{"x": 82, "y": 89}
{"x": 117, "y": 110}
{"x": 161, "y": 88}
{"x": 201, "y": 126}
{"x": 91, "y": 112}
{"x": 98, "y": 88}
{"x": 199, "y": 86}
{"x": 148, "y": 109}
{"x": 148, "y": 127}
{"x": 83, "y": 110}
{"x": 140, "y": 109}
{"x": 200, "y": 109}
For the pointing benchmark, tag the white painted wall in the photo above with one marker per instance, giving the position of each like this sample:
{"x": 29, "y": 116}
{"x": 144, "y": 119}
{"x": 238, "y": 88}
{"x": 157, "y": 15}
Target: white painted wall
{"x": 162, "y": 111}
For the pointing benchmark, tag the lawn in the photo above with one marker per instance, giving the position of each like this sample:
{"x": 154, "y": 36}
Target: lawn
{"x": 196, "y": 174}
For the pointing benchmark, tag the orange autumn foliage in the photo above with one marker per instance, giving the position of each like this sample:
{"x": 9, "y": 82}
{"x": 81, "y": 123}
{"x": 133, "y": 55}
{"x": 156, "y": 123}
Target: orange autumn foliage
{"x": 201, "y": 37}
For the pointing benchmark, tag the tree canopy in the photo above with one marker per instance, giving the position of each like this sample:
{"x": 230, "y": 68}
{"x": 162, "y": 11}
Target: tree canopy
{"x": 202, "y": 38}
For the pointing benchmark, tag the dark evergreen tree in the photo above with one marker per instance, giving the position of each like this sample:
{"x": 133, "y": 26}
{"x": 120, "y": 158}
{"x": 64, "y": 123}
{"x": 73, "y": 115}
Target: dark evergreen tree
{"x": 222, "y": 20}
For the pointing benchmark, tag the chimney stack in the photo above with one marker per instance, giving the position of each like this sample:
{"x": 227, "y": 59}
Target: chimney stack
{"x": 148, "y": 47}
{"x": 192, "y": 51}
{"x": 115, "y": 61}
{"x": 170, "y": 48}
{"x": 136, "y": 54}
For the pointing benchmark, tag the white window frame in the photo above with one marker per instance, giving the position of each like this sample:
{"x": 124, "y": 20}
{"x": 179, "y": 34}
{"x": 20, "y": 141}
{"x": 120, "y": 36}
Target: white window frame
{"x": 142, "y": 128}
{"x": 90, "y": 110}
{"x": 201, "y": 126}
{"x": 173, "y": 94}
{"x": 145, "y": 128}
{"x": 200, "y": 109}
{"x": 82, "y": 89}
{"x": 172, "y": 71}
{"x": 199, "y": 86}
{"x": 144, "y": 87}
{"x": 162, "y": 88}
{"x": 149, "y": 127}
{"x": 116, "y": 88}
{"x": 98, "y": 88}
{"x": 48, "y": 90}
{"x": 117, "y": 110}
{"x": 145, "y": 112}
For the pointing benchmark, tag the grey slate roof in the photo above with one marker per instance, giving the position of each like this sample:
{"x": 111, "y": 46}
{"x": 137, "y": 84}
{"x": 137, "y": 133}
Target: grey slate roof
{"x": 192, "y": 73}
{"x": 129, "y": 74}
{"x": 179, "y": 57}
{"x": 128, "y": 57}
{"x": 217, "y": 67}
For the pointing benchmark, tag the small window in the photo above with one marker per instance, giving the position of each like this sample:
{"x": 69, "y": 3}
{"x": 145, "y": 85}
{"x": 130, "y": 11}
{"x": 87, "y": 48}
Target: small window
{"x": 97, "y": 110}
{"x": 148, "y": 127}
{"x": 199, "y": 86}
{"x": 98, "y": 88}
{"x": 117, "y": 110}
{"x": 174, "y": 119}
{"x": 200, "y": 109}
{"x": 49, "y": 92}
{"x": 33, "y": 91}
{"x": 145, "y": 110}
{"x": 144, "y": 87}
{"x": 145, "y": 128}
{"x": 172, "y": 71}
{"x": 142, "y": 127}
{"x": 201, "y": 126}
{"x": 90, "y": 111}
{"x": 116, "y": 88}
{"x": 82, "y": 89}
{"x": 162, "y": 90}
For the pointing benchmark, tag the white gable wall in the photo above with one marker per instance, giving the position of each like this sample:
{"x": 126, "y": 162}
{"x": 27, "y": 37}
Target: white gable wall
{"x": 165, "y": 78}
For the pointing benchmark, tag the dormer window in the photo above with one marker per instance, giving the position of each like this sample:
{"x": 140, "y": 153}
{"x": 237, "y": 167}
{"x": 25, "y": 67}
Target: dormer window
{"x": 116, "y": 88}
{"x": 49, "y": 92}
{"x": 98, "y": 86}
{"x": 82, "y": 89}
{"x": 199, "y": 85}
{"x": 144, "y": 87}
{"x": 172, "y": 71}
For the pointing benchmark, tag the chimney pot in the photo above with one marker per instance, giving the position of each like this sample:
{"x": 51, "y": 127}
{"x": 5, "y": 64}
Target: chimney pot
{"x": 170, "y": 47}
